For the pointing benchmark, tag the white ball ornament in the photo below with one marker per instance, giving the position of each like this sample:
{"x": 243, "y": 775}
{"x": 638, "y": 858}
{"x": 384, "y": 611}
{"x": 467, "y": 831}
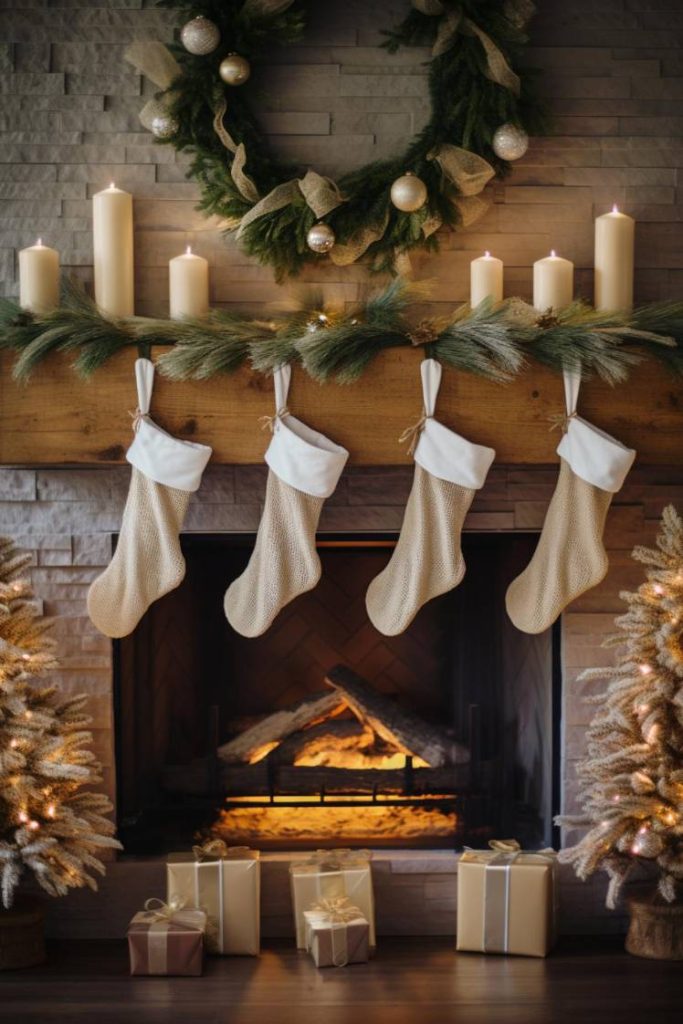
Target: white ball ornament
{"x": 164, "y": 126}
{"x": 200, "y": 36}
{"x": 409, "y": 193}
{"x": 234, "y": 70}
{"x": 320, "y": 238}
{"x": 510, "y": 142}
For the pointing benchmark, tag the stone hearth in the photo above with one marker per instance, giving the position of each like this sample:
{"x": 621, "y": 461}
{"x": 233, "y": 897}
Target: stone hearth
{"x": 66, "y": 517}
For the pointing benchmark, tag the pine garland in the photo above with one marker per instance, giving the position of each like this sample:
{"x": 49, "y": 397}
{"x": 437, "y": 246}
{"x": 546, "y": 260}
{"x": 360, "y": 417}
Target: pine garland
{"x": 492, "y": 341}
{"x": 470, "y": 98}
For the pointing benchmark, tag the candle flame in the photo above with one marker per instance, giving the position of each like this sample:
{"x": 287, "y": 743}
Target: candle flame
{"x": 188, "y": 250}
{"x": 553, "y": 253}
{"x": 615, "y": 208}
{"x": 39, "y": 242}
{"x": 487, "y": 254}
{"x": 112, "y": 185}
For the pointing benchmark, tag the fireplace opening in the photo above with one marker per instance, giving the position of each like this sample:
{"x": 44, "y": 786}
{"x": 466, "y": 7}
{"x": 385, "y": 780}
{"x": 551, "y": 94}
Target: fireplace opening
{"x": 323, "y": 732}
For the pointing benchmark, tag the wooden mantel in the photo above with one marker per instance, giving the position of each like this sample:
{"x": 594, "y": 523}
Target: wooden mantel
{"x": 59, "y": 419}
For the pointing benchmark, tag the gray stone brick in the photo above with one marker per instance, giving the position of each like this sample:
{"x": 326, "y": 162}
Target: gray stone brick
{"x": 17, "y": 485}
{"x": 31, "y": 84}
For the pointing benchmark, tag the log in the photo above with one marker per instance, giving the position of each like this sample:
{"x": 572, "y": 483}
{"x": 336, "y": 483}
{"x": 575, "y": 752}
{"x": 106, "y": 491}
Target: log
{"x": 406, "y": 732}
{"x": 267, "y": 733}
{"x": 340, "y": 734}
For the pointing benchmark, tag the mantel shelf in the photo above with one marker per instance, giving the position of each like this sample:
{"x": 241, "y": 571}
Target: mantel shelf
{"x": 59, "y": 419}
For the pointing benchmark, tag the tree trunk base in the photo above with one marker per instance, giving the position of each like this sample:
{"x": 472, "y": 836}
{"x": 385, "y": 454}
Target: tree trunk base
{"x": 656, "y": 929}
{"x": 22, "y": 935}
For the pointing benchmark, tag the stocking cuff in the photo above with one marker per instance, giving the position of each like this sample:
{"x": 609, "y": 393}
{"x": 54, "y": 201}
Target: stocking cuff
{"x": 305, "y": 459}
{"x": 448, "y": 456}
{"x": 595, "y": 456}
{"x": 167, "y": 460}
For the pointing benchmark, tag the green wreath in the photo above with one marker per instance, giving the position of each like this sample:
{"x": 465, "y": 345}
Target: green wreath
{"x": 480, "y": 107}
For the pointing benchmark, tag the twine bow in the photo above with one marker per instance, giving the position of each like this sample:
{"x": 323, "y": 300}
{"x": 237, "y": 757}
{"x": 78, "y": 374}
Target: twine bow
{"x": 336, "y": 910}
{"x": 505, "y": 845}
{"x": 561, "y": 421}
{"x": 412, "y": 433}
{"x": 157, "y": 910}
{"x": 268, "y": 422}
{"x": 137, "y": 417}
{"x": 218, "y": 849}
{"x": 335, "y": 860}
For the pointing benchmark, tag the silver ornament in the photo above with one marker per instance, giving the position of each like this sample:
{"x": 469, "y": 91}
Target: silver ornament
{"x": 200, "y": 36}
{"x": 320, "y": 238}
{"x": 164, "y": 126}
{"x": 510, "y": 142}
{"x": 409, "y": 193}
{"x": 234, "y": 70}
{"x": 647, "y": 844}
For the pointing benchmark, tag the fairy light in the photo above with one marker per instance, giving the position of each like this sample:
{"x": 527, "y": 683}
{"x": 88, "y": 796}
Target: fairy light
{"x": 23, "y": 817}
{"x": 34, "y": 825}
{"x": 642, "y": 709}
{"x": 14, "y": 744}
{"x": 645, "y": 670}
{"x": 51, "y": 811}
{"x": 28, "y": 714}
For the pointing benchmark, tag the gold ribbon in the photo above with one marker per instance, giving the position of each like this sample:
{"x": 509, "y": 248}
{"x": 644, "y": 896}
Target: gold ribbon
{"x": 358, "y": 243}
{"x": 218, "y": 126}
{"x": 157, "y": 910}
{"x": 244, "y": 183}
{"x": 413, "y": 432}
{"x": 334, "y": 860}
{"x": 155, "y": 61}
{"x": 469, "y": 172}
{"x": 335, "y": 912}
{"x": 505, "y": 845}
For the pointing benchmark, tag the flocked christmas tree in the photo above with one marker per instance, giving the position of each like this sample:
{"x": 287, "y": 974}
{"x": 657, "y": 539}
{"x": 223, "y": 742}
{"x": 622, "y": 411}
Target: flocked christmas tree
{"x": 50, "y": 824}
{"x": 632, "y": 774}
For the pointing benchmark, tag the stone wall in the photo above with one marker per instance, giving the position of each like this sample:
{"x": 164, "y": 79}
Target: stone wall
{"x": 612, "y": 72}
{"x": 66, "y": 519}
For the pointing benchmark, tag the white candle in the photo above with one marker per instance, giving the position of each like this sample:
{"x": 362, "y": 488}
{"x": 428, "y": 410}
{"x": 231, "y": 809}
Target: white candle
{"x": 614, "y": 235}
{"x": 188, "y": 281}
{"x": 553, "y": 282}
{"x": 39, "y": 278}
{"x": 113, "y": 248}
{"x": 486, "y": 279}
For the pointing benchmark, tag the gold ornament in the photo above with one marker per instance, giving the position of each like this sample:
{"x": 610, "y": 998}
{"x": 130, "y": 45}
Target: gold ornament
{"x": 647, "y": 844}
{"x": 320, "y": 238}
{"x": 234, "y": 69}
{"x": 164, "y": 126}
{"x": 409, "y": 193}
{"x": 510, "y": 142}
{"x": 200, "y": 36}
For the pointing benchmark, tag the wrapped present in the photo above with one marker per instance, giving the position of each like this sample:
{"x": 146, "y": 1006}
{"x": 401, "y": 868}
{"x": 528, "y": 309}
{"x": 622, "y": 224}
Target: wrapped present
{"x": 337, "y": 934}
{"x": 507, "y": 900}
{"x": 330, "y": 874}
{"x": 226, "y": 883}
{"x": 167, "y": 938}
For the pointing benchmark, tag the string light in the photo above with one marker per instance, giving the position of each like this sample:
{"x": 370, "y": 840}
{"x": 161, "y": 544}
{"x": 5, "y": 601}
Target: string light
{"x": 14, "y": 744}
{"x": 23, "y": 817}
{"x": 51, "y": 811}
{"x": 645, "y": 670}
{"x": 658, "y": 589}
{"x": 34, "y": 826}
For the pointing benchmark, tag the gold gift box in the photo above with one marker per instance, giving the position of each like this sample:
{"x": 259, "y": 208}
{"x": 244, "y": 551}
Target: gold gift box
{"x": 228, "y": 890}
{"x": 507, "y": 902}
{"x": 332, "y": 875}
{"x": 336, "y": 943}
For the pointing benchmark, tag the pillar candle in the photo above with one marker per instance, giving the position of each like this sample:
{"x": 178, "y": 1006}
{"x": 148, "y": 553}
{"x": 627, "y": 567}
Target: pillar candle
{"x": 553, "y": 282}
{"x": 113, "y": 248}
{"x": 188, "y": 286}
{"x": 39, "y": 278}
{"x": 614, "y": 234}
{"x": 486, "y": 279}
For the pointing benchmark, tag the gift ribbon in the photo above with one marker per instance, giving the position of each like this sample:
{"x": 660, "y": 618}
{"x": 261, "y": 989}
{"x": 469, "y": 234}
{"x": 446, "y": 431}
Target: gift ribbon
{"x": 209, "y": 854}
{"x": 496, "y": 916}
{"x": 160, "y": 916}
{"x": 337, "y": 912}
{"x": 334, "y": 860}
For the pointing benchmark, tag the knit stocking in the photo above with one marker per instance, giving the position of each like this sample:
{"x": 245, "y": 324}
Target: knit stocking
{"x": 427, "y": 560}
{"x": 570, "y": 557}
{"x": 148, "y": 562}
{"x": 304, "y": 468}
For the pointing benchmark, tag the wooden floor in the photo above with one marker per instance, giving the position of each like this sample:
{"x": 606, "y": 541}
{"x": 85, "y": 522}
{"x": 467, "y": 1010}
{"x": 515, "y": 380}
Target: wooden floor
{"x": 411, "y": 981}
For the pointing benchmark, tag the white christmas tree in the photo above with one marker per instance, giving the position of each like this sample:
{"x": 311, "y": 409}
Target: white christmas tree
{"x": 49, "y": 823}
{"x": 632, "y": 774}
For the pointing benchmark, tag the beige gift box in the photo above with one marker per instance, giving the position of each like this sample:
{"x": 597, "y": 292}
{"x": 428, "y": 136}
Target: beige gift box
{"x": 168, "y": 941}
{"x": 334, "y": 943}
{"x": 228, "y": 890}
{"x": 507, "y": 901}
{"x": 330, "y": 875}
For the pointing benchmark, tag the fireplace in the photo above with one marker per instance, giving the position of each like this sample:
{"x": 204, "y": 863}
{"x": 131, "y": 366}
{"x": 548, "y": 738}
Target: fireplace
{"x": 322, "y": 731}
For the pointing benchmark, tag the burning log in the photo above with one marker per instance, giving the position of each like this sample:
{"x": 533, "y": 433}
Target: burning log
{"x": 405, "y": 732}
{"x": 341, "y": 734}
{"x": 253, "y": 744}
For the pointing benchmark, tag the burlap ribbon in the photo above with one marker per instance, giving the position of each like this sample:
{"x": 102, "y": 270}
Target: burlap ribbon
{"x": 470, "y": 174}
{"x": 156, "y": 62}
{"x": 334, "y": 860}
{"x": 335, "y": 912}
{"x": 454, "y": 21}
{"x": 218, "y": 849}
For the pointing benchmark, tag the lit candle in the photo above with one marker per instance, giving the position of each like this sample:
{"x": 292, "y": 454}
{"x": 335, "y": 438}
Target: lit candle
{"x": 39, "y": 278}
{"x": 188, "y": 281}
{"x": 486, "y": 279}
{"x": 614, "y": 236}
{"x": 553, "y": 282}
{"x": 113, "y": 248}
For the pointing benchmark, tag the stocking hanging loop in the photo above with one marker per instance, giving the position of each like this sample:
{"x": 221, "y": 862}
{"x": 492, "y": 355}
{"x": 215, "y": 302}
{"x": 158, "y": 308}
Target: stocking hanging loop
{"x": 281, "y": 379}
{"x": 144, "y": 380}
{"x": 572, "y": 386}
{"x": 430, "y": 371}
